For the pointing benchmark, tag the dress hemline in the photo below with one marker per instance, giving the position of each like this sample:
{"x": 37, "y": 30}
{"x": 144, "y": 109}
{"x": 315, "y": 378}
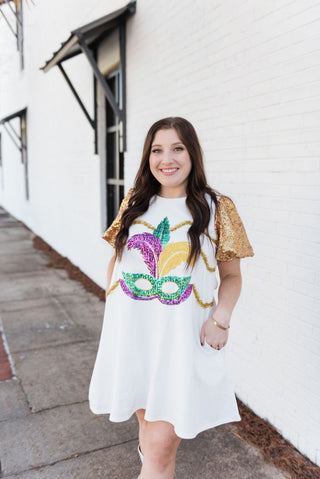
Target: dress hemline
{"x": 191, "y": 435}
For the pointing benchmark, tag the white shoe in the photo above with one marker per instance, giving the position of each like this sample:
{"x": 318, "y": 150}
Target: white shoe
{"x": 140, "y": 454}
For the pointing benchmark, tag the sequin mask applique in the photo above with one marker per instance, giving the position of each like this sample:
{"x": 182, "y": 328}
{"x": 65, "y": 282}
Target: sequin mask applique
{"x": 160, "y": 258}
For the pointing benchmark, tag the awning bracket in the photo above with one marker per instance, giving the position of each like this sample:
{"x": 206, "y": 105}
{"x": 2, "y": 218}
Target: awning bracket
{"x": 14, "y": 12}
{"x": 18, "y": 30}
{"x": 85, "y": 111}
{"x": 85, "y": 40}
{"x": 21, "y": 144}
{"x": 8, "y": 23}
{"x": 12, "y": 137}
{"x": 88, "y": 53}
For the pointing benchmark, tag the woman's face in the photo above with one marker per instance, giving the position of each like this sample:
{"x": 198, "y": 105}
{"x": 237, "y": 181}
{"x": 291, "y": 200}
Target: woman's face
{"x": 170, "y": 163}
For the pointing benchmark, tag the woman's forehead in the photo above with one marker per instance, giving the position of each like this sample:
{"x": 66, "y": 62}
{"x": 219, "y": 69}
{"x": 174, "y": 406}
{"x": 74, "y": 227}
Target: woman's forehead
{"x": 166, "y": 136}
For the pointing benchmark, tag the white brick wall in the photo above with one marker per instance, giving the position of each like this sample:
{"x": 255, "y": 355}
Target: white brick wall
{"x": 246, "y": 73}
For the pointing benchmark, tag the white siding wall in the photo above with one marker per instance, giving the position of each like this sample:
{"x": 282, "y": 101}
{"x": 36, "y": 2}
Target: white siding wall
{"x": 246, "y": 73}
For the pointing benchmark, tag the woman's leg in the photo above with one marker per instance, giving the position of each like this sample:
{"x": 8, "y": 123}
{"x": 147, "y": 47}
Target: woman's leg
{"x": 159, "y": 445}
{"x": 142, "y": 428}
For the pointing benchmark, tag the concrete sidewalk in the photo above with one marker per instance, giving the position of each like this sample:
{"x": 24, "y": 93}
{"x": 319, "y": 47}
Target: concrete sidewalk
{"x": 51, "y": 325}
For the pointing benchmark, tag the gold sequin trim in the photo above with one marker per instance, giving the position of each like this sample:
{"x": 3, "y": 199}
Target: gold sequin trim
{"x": 180, "y": 225}
{"x": 202, "y": 304}
{"x": 190, "y": 223}
{"x": 232, "y": 238}
{"x": 205, "y": 259}
{"x": 210, "y": 237}
{"x": 174, "y": 228}
{"x": 211, "y": 269}
{"x": 111, "y": 233}
{"x": 144, "y": 223}
{"x": 113, "y": 287}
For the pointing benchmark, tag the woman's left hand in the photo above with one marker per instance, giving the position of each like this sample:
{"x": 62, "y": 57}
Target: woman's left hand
{"x": 215, "y": 336}
{"x": 228, "y": 294}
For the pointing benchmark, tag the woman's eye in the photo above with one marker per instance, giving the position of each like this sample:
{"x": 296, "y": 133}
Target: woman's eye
{"x": 179, "y": 148}
{"x": 156, "y": 150}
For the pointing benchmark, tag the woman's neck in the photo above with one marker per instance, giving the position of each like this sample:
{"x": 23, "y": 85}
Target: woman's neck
{"x": 172, "y": 192}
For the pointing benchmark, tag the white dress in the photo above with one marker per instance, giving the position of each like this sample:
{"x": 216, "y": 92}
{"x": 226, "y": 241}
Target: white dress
{"x": 150, "y": 355}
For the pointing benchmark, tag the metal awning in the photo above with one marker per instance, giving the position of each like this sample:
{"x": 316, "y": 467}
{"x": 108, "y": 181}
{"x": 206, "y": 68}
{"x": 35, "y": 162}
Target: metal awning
{"x": 85, "y": 40}
{"x": 19, "y": 139}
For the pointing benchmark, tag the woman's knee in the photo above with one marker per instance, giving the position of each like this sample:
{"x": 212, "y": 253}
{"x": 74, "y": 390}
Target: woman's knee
{"x": 159, "y": 454}
{"x": 161, "y": 443}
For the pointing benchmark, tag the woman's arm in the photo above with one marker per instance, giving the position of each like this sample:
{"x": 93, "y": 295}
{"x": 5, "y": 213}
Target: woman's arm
{"x": 109, "y": 272}
{"x": 228, "y": 294}
{"x": 229, "y": 290}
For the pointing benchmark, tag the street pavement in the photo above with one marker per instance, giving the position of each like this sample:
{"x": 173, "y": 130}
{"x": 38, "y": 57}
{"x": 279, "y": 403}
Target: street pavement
{"x": 51, "y": 325}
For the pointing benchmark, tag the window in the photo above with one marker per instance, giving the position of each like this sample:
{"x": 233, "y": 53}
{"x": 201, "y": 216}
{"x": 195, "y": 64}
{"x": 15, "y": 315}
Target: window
{"x": 114, "y": 151}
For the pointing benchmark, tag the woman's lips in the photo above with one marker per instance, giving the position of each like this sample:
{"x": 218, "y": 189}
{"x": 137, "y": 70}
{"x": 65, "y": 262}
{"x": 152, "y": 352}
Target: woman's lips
{"x": 168, "y": 171}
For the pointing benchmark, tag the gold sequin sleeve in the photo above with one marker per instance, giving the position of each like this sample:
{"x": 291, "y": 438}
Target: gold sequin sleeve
{"x": 232, "y": 237}
{"x": 111, "y": 233}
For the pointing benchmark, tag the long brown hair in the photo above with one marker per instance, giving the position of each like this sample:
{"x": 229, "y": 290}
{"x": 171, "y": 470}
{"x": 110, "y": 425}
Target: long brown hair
{"x": 146, "y": 186}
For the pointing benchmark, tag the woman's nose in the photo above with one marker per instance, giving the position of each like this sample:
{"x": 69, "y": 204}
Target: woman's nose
{"x": 167, "y": 157}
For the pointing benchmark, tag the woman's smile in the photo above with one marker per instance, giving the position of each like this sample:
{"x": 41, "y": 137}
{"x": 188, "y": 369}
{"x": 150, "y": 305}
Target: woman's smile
{"x": 168, "y": 171}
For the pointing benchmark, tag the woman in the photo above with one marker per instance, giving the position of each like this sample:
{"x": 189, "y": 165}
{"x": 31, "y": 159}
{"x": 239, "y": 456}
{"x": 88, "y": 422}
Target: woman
{"x": 161, "y": 349}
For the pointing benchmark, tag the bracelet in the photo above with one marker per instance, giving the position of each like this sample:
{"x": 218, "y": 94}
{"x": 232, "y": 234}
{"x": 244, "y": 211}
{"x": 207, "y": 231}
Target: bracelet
{"x": 219, "y": 325}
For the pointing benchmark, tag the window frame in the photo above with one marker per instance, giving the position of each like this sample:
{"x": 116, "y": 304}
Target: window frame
{"x": 116, "y": 128}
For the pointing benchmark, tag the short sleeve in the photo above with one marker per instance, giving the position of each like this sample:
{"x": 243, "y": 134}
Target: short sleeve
{"x": 231, "y": 234}
{"x": 111, "y": 233}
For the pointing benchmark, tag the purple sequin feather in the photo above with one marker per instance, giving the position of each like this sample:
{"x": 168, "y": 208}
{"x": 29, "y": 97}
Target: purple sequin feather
{"x": 150, "y": 248}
